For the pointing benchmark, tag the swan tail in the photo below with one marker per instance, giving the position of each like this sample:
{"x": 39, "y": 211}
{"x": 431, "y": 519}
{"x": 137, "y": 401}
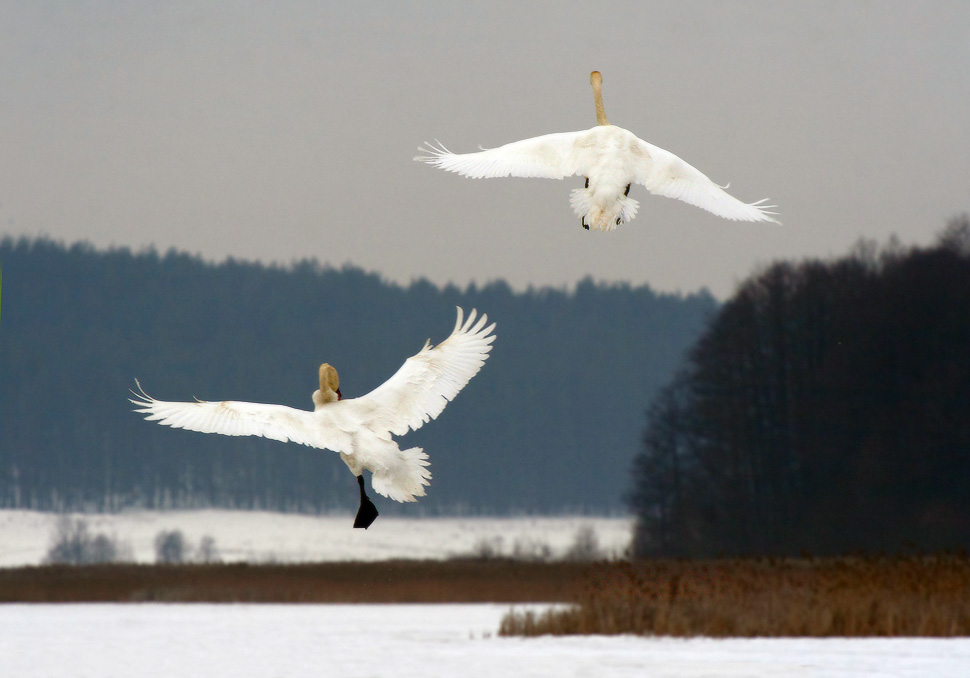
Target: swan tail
{"x": 405, "y": 479}
{"x": 621, "y": 212}
{"x": 628, "y": 209}
{"x": 579, "y": 200}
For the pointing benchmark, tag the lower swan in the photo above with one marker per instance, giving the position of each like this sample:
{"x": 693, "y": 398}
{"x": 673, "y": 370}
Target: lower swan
{"x": 359, "y": 429}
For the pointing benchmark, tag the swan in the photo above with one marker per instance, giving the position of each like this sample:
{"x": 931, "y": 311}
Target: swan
{"x": 612, "y": 159}
{"x": 359, "y": 429}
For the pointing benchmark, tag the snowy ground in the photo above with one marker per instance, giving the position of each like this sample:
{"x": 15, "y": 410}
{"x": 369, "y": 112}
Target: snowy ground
{"x": 289, "y": 641}
{"x": 26, "y": 536}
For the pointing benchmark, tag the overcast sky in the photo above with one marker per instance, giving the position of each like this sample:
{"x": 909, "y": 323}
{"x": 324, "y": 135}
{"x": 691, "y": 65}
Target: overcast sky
{"x": 284, "y": 130}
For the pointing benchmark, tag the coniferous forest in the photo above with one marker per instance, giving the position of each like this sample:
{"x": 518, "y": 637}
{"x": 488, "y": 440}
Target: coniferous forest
{"x": 825, "y": 410}
{"x": 551, "y": 424}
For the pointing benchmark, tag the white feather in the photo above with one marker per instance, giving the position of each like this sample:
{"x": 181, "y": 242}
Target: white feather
{"x": 359, "y": 429}
{"x": 611, "y": 158}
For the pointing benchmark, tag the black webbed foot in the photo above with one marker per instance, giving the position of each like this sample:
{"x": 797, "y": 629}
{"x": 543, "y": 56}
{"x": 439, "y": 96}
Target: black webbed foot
{"x": 583, "y": 222}
{"x": 367, "y": 513}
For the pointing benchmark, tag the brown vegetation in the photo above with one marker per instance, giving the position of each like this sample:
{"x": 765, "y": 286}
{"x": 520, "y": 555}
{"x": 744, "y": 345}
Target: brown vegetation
{"x": 404, "y": 581}
{"x": 899, "y": 596}
{"x": 902, "y": 596}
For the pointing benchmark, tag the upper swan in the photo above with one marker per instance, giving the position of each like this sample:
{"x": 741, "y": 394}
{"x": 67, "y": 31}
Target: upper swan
{"x": 611, "y": 158}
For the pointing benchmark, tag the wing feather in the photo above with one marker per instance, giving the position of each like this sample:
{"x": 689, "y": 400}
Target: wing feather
{"x": 429, "y": 380}
{"x": 233, "y": 418}
{"x": 414, "y": 395}
{"x": 663, "y": 173}
{"x": 550, "y": 156}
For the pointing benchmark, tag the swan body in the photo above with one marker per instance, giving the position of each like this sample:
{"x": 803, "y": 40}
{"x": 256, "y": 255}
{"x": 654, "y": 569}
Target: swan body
{"x": 611, "y": 158}
{"x": 359, "y": 429}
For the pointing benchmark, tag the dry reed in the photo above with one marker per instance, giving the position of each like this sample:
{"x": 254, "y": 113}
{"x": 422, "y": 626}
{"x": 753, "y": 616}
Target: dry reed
{"x": 401, "y": 581}
{"x": 899, "y": 596}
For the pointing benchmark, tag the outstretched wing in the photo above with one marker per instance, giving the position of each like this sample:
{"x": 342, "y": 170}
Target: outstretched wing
{"x": 235, "y": 418}
{"x": 426, "y": 382}
{"x": 551, "y": 156}
{"x": 663, "y": 173}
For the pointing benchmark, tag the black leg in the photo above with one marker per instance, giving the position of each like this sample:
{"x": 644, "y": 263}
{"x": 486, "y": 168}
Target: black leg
{"x": 627, "y": 191}
{"x": 587, "y": 183}
{"x": 367, "y": 513}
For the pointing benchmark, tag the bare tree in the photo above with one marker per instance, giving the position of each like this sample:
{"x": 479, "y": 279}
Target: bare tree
{"x": 73, "y": 544}
{"x": 170, "y": 547}
{"x": 585, "y": 546}
{"x": 207, "y": 551}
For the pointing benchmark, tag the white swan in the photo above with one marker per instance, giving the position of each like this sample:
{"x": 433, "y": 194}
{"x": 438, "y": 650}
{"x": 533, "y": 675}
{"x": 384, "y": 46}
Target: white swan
{"x": 611, "y": 158}
{"x": 359, "y": 429}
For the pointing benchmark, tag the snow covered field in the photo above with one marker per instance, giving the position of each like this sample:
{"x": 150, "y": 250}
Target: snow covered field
{"x": 288, "y": 641}
{"x": 283, "y": 641}
{"x": 254, "y": 536}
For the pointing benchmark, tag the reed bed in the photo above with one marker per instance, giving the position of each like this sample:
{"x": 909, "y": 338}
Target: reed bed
{"x": 898, "y": 596}
{"x": 392, "y": 581}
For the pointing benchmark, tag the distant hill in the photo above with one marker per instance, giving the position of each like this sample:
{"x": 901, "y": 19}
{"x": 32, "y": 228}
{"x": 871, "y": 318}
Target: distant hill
{"x": 550, "y": 425}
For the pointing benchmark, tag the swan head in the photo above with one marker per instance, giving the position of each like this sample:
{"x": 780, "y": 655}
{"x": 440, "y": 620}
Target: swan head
{"x": 329, "y": 386}
{"x": 596, "y": 80}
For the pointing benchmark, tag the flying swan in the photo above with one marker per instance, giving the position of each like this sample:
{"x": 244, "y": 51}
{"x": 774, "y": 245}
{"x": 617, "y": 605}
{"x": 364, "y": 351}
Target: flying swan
{"x": 611, "y": 158}
{"x": 359, "y": 429}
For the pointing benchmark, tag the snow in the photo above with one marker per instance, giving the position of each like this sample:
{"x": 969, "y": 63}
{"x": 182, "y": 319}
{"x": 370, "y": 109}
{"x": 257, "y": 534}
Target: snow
{"x": 259, "y": 536}
{"x": 288, "y": 641}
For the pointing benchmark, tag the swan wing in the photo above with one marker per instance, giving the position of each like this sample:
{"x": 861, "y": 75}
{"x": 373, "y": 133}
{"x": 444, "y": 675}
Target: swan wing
{"x": 663, "y": 173}
{"x": 429, "y": 380}
{"x": 550, "y": 156}
{"x": 236, "y": 418}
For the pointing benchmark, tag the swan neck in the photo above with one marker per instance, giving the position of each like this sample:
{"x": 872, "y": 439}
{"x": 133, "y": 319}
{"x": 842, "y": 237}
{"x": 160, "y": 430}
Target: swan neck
{"x": 329, "y": 386}
{"x": 596, "y": 80}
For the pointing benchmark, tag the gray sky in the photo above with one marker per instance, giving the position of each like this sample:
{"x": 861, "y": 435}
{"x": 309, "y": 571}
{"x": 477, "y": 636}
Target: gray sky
{"x": 278, "y": 131}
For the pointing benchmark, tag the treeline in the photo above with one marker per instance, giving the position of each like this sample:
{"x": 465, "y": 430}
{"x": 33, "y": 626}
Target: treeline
{"x": 550, "y": 425}
{"x": 826, "y": 409}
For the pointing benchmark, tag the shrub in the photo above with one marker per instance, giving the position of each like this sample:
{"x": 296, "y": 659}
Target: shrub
{"x": 586, "y": 546}
{"x": 207, "y": 551}
{"x": 488, "y": 548}
{"x": 532, "y": 550}
{"x": 170, "y": 547}
{"x": 73, "y": 544}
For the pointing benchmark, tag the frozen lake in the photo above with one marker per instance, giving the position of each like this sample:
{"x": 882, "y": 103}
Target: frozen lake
{"x": 263, "y": 536}
{"x": 404, "y": 641}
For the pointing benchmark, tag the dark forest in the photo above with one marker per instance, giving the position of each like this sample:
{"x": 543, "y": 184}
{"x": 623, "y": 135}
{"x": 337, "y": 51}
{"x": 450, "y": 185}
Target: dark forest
{"x": 550, "y": 425}
{"x": 825, "y": 410}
